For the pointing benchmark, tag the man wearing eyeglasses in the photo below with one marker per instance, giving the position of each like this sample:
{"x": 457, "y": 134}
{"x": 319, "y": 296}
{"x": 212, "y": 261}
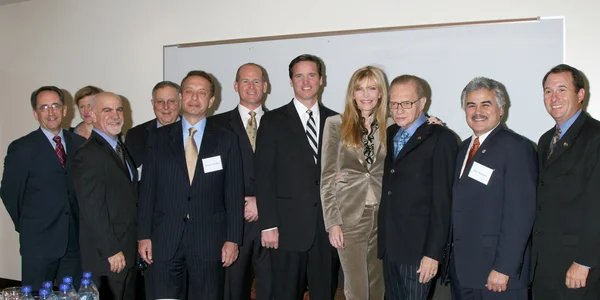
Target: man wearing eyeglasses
{"x": 418, "y": 173}
{"x": 166, "y": 105}
{"x": 39, "y": 196}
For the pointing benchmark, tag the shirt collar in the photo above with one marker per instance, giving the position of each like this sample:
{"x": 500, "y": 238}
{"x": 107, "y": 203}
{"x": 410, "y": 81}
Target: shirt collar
{"x": 199, "y": 126}
{"x": 244, "y": 111}
{"x": 111, "y": 141}
{"x": 411, "y": 130}
{"x": 302, "y": 109}
{"x": 50, "y": 135}
{"x": 566, "y": 125}
{"x": 483, "y": 136}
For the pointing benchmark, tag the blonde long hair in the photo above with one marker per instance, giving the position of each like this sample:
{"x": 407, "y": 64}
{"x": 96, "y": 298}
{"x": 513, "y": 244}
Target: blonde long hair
{"x": 352, "y": 125}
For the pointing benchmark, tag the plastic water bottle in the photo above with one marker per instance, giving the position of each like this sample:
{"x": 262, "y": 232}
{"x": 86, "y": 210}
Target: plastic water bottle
{"x": 26, "y": 290}
{"x": 45, "y": 294}
{"x": 63, "y": 292}
{"x": 69, "y": 280}
{"x": 88, "y": 275}
{"x": 85, "y": 292}
{"x": 48, "y": 285}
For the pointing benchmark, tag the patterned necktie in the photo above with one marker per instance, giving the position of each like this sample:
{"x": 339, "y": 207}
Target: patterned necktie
{"x": 60, "y": 151}
{"x": 251, "y": 129}
{"x": 400, "y": 140}
{"x": 191, "y": 154}
{"x": 473, "y": 150}
{"x": 555, "y": 139}
{"x": 119, "y": 150}
{"x": 311, "y": 133}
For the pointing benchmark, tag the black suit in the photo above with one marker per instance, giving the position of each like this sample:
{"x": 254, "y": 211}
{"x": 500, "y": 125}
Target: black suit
{"x": 567, "y": 227}
{"x": 492, "y": 222}
{"x": 39, "y": 196}
{"x": 252, "y": 255}
{"x": 414, "y": 217}
{"x": 288, "y": 197}
{"x": 214, "y": 203}
{"x": 107, "y": 199}
{"x": 137, "y": 139}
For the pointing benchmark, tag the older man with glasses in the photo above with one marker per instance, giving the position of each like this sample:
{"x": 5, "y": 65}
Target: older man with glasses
{"x": 39, "y": 196}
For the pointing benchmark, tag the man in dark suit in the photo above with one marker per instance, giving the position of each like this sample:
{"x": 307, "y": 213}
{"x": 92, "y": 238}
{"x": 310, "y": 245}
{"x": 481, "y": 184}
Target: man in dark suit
{"x": 288, "y": 192}
{"x": 166, "y": 106}
{"x": 251, "y": 84}
{"x": 106, "y": 185}
{"x": 414, "y": 217}
{"x": 191, "y": 210}
{"x": 566, "y": 239}
{"x": 38, "y": 193}
{"x": 493, "y": 204}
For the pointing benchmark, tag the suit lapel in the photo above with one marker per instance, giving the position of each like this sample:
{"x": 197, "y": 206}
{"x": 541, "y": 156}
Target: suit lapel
{"x": 489, "y": 140}
{"x": 70, "y": 147}
{"x": 460, "y": 158}
{"x": 208, "y": 147}
{"x": 238, "y": 127}
{"x": 108, "y": 149}
{"x": 49, "y": 148}
{"x": 295, "y": 124}
{"x": 567, "y": 140}
{"x": 176, "y": 147}
{"x": 420, "y": 134}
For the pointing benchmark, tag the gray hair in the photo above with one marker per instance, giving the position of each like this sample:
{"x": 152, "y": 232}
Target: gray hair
{"x": 479, "y": 83}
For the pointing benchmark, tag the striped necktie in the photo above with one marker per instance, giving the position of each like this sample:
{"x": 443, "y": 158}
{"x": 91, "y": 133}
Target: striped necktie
{"x": 311, "y": 133}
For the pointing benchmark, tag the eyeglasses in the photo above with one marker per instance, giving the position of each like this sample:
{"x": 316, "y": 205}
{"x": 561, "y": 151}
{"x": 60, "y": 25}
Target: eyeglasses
{"x": 403, "y": 104}
{"x": 168, "y": 102}
{"x": 53, "y": 106}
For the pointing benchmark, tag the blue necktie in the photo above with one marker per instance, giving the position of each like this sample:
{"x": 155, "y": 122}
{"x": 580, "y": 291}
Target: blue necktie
{"x": 400, "y": 140}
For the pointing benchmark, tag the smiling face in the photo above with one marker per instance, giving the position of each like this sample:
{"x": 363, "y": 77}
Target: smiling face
{"x": 49, "y": 111}
{"x": 196, "y": 97}
{"x": 107, "y": 113}
{"x": 561, "y": 98}
{"x": 306, "y": 81}
{"x": 250, "y": 86}
{"x": 407, "y": 93}
{"x": 482, "y": 111}
{"x": 366, "y": 95}
{"x": 166, "y": 105}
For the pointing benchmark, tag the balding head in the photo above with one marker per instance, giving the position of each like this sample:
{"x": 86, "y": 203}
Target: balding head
{"x": 107, "y": 113}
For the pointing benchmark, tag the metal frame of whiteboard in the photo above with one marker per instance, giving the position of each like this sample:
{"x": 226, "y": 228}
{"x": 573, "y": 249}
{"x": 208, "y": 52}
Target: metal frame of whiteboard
{"x": 517, "y": 54}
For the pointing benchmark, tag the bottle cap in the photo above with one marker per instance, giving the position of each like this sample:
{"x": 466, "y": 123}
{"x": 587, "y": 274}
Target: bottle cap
{"x": 85, "y": 281}
{"x": 87, "y": 274}
{"x": 44, "y": 292}
{"x": 47, "y": 285}
{"x": 64, "y": 287}
{"x": 68, "y": 279}
{"x": 26, "y": 289}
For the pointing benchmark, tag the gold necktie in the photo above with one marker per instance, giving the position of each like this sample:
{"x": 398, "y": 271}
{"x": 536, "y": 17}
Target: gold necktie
{"x": 191, "y": 154}
{"x": 251, "y": 129}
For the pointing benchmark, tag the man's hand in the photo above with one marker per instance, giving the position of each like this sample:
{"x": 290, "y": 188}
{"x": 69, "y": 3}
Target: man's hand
{"x": 336, "y": 237}
{"x": 145, "y": 250}
{"x": 270, "y": 238}
{"x": 250, "y": 210}
{"x": 576, "y": 276}
{"x": 427, "y": 269}
{"x": 229, "y": 253}
{"x": 497, "y": 282}
{"x": 117, "y": 262}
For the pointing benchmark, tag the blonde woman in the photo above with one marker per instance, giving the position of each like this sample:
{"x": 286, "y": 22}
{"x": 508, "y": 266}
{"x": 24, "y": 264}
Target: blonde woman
{"x": 83, "y": 100}
{"x": 352, "y": 161}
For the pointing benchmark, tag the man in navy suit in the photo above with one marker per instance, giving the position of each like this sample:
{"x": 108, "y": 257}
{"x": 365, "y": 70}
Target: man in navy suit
{"x": 39, "y": 196}
{"x": 251, "y": 84}
{"x": 494, "y": 199}
{"x": 191, "y": 212}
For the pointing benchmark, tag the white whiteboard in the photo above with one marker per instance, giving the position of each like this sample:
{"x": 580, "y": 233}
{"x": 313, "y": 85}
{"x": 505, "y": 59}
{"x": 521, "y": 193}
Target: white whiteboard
{"x": 517, "y": 54}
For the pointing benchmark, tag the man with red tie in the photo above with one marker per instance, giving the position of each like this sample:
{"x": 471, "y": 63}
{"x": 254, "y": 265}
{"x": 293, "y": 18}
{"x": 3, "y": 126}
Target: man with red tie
{"x": 38, "y": 193}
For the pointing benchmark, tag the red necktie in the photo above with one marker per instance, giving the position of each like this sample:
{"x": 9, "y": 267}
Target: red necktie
{"x": 473, "y": 150}
{"x": 60, "y": 151}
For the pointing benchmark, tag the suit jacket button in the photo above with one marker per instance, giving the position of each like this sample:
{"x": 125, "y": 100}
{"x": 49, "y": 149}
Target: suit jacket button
{"x": 67, "y": 213}
{"x": 389, "y": 193}
{"x": 541, "y": 183}
{"x": 316, "y": 204}
{"x": 189, "y": 198}
{"x": 539, "y": 208}
{"x": 392, "y": 171}
{"x": 317, "y": 182}
{"x": 367, "y": 175}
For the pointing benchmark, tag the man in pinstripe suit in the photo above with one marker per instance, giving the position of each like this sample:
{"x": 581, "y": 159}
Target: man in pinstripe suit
{"x": 191, "y": 199}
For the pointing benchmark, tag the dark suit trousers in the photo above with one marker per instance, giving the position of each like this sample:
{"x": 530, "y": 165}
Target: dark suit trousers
{"x": 402, "y": 282}
{"x": 167, "y": 278}
{"x": 291, "y": 269}
{"x": 116, "y": 287}
{"x": 36, "y": 270}
{"x": 238, "y": 278}
{"x": 462, "y": 293}
{"x": 590, "y": 292}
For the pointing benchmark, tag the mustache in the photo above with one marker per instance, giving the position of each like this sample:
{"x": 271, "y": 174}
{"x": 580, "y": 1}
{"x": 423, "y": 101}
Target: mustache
{"x": 479, "y": 117}
{"x": 114, "y": 122}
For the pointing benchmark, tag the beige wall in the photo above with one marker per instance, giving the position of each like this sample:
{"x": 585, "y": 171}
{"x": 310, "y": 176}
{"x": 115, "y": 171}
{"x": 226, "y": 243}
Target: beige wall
{"x": 117, "y": 45}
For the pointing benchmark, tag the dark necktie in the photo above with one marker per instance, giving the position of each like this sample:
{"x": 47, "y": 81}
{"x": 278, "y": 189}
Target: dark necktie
{"x": 311, "y": 133}
{"x": 473, "y": 150}
{"x": 555, "y": 139}
{"x": 60, "y": 151}
{"x": 119, "y": 150}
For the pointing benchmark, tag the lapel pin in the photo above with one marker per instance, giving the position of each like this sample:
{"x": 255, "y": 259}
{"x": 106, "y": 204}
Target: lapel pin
{"x": 483, "y": 151}
{"x": 418, "y": 138}
{"x": 566, "y": 144}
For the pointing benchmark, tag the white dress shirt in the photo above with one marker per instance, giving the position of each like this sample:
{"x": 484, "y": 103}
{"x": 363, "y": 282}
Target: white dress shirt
{"x": 481, "y": 139}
